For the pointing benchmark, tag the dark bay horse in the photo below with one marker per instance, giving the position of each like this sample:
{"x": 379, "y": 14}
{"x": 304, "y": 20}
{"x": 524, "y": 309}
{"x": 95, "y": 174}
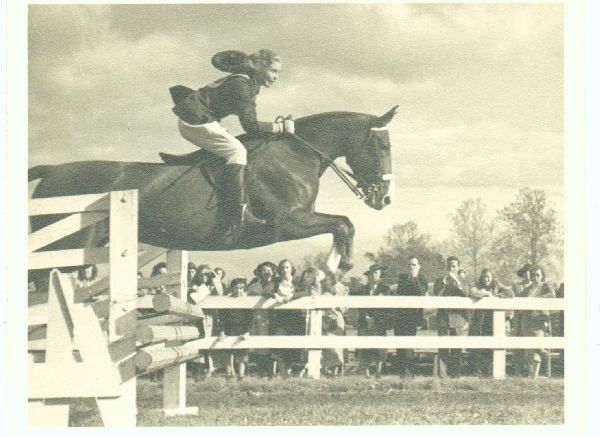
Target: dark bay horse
{"x": 283, "y": 182}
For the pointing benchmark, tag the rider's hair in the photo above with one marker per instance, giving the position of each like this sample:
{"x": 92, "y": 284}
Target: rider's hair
{"x": 262, "y": 59}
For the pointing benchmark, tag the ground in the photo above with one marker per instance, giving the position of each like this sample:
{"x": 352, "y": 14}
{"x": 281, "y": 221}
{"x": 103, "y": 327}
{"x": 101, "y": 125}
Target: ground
{"x": 352, "y": 400}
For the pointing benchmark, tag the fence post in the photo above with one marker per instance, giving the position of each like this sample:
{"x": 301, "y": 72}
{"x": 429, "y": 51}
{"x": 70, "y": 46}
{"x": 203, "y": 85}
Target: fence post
{"x": 123, "y": 223}
{"x": 499, "y": 363}
{"x": 314, "y": 355}
{"x": 174, "y": 377}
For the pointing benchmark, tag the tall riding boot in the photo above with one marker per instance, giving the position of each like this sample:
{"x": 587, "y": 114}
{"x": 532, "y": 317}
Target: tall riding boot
{"x": 235, "y": 186}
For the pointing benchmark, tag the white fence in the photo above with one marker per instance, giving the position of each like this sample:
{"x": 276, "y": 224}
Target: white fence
{"x": 499, "y": 342}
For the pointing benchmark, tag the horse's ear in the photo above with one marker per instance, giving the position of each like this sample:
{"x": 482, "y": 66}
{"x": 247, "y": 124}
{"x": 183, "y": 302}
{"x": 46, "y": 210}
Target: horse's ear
{"x": 386, "y": 118}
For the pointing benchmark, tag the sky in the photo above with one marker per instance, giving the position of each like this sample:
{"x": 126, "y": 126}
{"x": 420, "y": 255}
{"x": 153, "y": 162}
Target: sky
{"x": 479, "y": 89}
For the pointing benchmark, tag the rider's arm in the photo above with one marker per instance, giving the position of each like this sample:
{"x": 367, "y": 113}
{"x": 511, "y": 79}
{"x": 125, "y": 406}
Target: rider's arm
{"x": 239, "y": 93}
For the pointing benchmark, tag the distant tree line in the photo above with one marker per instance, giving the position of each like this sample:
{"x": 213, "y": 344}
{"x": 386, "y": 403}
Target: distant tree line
{"x": 525, "y": 231}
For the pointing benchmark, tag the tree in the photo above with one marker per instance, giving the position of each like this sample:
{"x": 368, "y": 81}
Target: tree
{"x": 402, "y": 241}
{"x": 472, "y": 231}
{"x": 529, "y": 230}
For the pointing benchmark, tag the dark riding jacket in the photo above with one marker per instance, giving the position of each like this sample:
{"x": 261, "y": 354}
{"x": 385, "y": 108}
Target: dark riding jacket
{"x": 232, "y": 95}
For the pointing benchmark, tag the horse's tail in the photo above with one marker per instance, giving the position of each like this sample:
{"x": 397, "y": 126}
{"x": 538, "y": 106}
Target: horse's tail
{"x": 38, "y": 172}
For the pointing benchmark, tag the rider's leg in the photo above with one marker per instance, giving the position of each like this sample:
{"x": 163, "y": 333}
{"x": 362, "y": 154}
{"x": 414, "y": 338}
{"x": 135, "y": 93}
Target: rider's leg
{"x": 217, "y": 140}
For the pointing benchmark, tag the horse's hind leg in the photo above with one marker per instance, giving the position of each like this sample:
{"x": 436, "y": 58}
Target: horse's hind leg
{"x": 305, "y": 225}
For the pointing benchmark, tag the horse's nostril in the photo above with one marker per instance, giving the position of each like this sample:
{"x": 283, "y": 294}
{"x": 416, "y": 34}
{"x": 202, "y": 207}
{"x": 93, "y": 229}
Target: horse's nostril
{"x": 387, "y": 200}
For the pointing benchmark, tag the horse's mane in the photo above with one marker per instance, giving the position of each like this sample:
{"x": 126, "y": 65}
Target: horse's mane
{"x": 323, "y": 116}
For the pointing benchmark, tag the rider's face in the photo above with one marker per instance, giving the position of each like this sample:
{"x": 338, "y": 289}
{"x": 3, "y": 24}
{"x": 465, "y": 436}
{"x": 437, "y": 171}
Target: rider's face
{"x": 267, "y": 76}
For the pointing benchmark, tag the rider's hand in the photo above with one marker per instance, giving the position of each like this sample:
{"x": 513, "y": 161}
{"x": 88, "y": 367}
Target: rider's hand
{"x": 288, "y": 125}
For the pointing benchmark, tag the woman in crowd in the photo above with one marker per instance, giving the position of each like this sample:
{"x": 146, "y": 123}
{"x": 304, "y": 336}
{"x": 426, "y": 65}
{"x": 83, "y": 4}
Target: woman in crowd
{"x": 236, "y": 322}
{"x": 482, "y": 322}
{"x": 285, "y": 322}
{"x": 157, "y": 270}
{"x": 87, "y": 275}
{"x": 203, "y": 285}
{"x": 264, "y": 286}
{"x": 192, "y": 271}
{"x": 220, "y": 272}
{"x": 332, "y": 360}
{"x": 523, "y": 281}
{"x": 374, "y": 321}
{"x": 535, "y": 323}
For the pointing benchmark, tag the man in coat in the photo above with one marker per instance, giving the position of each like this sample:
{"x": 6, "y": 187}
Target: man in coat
{"x": 451, "y": 322}
{"x": 405, "y": 321}
{"x": 373, "y": 321}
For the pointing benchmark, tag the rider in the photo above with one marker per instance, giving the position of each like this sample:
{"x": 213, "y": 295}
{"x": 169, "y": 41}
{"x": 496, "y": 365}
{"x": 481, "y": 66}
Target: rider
{"x": 200, "y": 111}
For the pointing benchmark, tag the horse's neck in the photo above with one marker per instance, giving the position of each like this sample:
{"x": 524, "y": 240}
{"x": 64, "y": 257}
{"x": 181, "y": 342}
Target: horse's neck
{"x": 327, "y": 143}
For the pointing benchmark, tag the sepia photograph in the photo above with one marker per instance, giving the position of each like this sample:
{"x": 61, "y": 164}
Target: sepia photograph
{"x": 298, "y": 214}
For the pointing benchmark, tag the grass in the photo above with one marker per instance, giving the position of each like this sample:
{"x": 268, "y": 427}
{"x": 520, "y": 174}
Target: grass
{"x": 351, "y": 400}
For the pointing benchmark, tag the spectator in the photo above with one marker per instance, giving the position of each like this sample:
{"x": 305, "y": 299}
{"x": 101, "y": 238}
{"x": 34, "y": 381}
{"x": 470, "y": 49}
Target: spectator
{"x": 264, "y": 286}
{"x": 86, "y": 275}
{"x": 482, "y": 322}
{"x": 236, "y": 322}
{"x": 220, "y": 272}
{"x": 519, "y": 286}
{"x": 373, "y": 321}
{"x": 406, "y": 321}
{"x": 192, "y": 271}
{"x": 286, "y": 322}
{"x": 535, "y": 323}
{"x": 203, "y": 286}
{"x": 451, "y": 322}
{"x": 159, "y": 269}
{"x": 142, "y": 291}
{"x": 204, "y": 283}
{"x": 332, "y": 360}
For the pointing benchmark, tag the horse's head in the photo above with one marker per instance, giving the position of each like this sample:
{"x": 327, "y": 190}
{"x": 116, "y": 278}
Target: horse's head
{"x": 369, "y": 157}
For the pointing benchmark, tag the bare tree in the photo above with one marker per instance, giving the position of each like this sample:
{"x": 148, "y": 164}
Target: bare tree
{"x": 472, "y": 233}
{"x": 404, "y": 240}
{"x": 530, "y": 224}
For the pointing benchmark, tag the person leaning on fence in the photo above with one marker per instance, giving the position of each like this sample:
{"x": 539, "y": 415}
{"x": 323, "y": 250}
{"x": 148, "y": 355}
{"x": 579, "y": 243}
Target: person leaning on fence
{"x": 263, "y": 285}
{"x": 536, "y": 323}
{"x": 332, "y": 360}
{"x": 405, "y": 321}
{"x": 451, "y": 322}
{"x": 285, "y": 322}
{"x": 373, "y": 321}
{"x": 220, "y": 272}
{"x": 482, "y": 322}
{"x": 236, "y": 322}
{"x": 203, "y": 286}
{"x": 519, "y": 286}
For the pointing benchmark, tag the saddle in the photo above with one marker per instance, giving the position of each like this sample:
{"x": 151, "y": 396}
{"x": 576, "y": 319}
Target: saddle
{"x": 210, "y": 165}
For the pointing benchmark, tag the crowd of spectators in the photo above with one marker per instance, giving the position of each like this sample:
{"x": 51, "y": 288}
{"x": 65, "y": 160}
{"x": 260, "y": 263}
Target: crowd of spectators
{"x": 283, "y": 283}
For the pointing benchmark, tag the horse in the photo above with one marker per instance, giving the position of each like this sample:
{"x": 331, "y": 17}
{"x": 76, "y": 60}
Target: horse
{"x": 282, "y": 183}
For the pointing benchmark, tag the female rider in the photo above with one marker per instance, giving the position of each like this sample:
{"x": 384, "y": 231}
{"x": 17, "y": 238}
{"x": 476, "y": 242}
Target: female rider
{"x": 200, "y": 111}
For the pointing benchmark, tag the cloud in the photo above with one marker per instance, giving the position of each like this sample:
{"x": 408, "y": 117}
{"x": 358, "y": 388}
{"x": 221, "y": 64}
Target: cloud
{"x": 479, "y": 87}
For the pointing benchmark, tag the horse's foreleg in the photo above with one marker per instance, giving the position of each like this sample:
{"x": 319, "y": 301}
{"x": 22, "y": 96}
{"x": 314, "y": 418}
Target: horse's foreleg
{"x": 305, "y": 225}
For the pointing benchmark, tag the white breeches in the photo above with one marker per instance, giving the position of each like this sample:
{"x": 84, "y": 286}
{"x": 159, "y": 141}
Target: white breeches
{"x": 215, "y": 138}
